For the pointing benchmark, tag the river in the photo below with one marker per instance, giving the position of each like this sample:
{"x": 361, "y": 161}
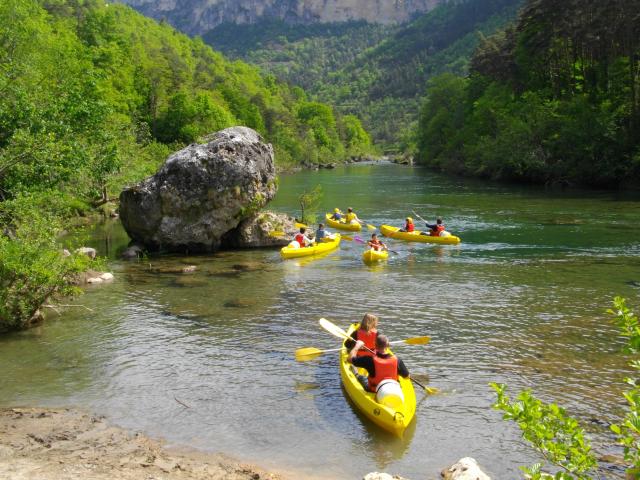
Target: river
{"x": 522, "y": 300}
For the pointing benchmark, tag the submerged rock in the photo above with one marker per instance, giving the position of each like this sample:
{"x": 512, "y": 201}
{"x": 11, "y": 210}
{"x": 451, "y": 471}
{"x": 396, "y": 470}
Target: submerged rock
{"x": 132, "y": 252}
{"x": 201, "y": 193}
{"x": 266, "y": 229}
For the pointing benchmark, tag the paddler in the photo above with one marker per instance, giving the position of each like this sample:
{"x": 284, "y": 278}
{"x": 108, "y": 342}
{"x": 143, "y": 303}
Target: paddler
{"x": 436, "y": 229}
{"x": 351, "y": 217}
{"x": 382, "y": 367}
{"x": 367, "y": 333}
{"x": 408, "y": 225}
{"x": 321, "y": 233}
{"x": 302, "y": 239}
{"x": 337, "y": 215}
{"x": 376, "y": 244}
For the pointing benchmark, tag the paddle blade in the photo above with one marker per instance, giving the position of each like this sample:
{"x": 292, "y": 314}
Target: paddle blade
{"x": 276, "y": 233}
{"x": 417, "y": 340}
{"x": 307, "y": 353}
{"x": 359, "y": 240}
{"x": 431, "y": 390}
{"x": 333, "y": 329}
{"x": 371, "y": 227}
{"x": 301, "y": 225}
{"x": 347, "y": 237}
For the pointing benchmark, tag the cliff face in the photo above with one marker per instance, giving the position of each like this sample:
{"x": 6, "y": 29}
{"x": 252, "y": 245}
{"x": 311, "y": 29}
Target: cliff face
{"x": 200, "y": 16}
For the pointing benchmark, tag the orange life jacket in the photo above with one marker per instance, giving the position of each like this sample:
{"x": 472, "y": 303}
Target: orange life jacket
{"x": 409, "y": 227}
{"x": 436, "y": 232}
{"x": 386, "y": 369}
{"x": 369, "y": 339}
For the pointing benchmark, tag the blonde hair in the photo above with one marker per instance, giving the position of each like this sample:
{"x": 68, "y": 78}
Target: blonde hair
{"x": 369, "y": 322}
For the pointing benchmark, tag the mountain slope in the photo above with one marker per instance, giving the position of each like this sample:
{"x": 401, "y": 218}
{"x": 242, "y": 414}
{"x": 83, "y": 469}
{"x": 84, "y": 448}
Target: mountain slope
{"x": 376, "y": 72}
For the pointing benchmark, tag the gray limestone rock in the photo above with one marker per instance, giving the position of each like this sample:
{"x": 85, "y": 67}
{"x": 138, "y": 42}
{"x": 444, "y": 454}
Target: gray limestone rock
{"x": 266, "y": 229}
{"x": 201, "y": 193}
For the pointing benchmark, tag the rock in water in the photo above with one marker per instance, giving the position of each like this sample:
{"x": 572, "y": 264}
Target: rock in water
{"x": 201, "y": 193}
{"x": 465, "y": 469}
{"x": 265, "y": 229}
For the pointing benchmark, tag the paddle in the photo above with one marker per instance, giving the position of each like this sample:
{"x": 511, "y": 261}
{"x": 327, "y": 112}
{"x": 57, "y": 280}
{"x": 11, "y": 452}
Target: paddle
{"x": 414, "y": 212}
{"x": 340, "y": 333}
{"x": 309, "y": 353}
{"x": 301, "y": 225}
{"x": 276, "y": 233}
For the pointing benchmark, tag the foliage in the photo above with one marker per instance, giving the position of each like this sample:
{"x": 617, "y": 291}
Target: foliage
{"x": 628, "y": 431}
{"x": 551, "y": 431}
{"x": 309, "y": 203}
{"x": 553, "y": 99}
{"x": 375, "y": 72}
{"x": 87, "y": 89}
{"x": 32, "y": 267}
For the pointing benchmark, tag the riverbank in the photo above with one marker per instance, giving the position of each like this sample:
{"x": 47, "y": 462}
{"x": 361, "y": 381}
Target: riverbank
{"x": 61, "y": 443}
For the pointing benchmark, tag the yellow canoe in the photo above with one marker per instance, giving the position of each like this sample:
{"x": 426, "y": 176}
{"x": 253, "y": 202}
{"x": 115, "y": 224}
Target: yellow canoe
{"x": 372, "y": 256}
{"x": 393, "y": 232}
{"x": 350, "y": 227}
{"x": 315, "y": 249}
{"x": 394, "y": 419}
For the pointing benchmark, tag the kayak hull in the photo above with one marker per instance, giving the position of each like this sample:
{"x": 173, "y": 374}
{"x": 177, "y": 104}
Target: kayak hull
{"x": 393, "y": 420}
{"x": 349, "y": 227}
{"x": 372, "y": 256}
{"x": 393, "y": 232}
{"x": 317, "y": 249}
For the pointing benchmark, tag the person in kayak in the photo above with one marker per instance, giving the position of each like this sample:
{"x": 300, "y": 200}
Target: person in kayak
{"x": 351, "y": 217}
{"x": 408, "y": 225}
{"x": 376, "y": 244}
{"x": 383, "y": 366}
{"x": 367, "y": 333}
{"x": 337, "y": 215}
{"x": 302, "y": 239}
{"x": 322, "y": 233}
{"x": 436, "y": 229}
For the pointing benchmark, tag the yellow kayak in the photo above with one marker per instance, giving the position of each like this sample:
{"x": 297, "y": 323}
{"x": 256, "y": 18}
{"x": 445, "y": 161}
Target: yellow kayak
{"x": 392, "y": 232}
{"x": 315, "y": 249}
{"x": 393, "y": 418}
{"x": 371, "y": 255}
{"x": 341, "y": 225}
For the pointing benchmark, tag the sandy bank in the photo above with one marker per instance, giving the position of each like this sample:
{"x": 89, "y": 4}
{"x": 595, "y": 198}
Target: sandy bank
{"x": 64, "y": 444}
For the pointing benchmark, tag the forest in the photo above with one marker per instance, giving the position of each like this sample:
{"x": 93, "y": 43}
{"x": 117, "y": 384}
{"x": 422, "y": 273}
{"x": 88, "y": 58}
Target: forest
{"x": 94, "y": 96}
{"x": 552, "y": 99}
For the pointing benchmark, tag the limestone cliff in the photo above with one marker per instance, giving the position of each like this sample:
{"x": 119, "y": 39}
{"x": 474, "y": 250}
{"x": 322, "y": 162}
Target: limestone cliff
{"x": 200, "y": 16}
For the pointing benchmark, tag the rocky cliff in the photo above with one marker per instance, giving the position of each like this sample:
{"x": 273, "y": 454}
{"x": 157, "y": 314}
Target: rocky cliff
{"x": 200, "y": 16}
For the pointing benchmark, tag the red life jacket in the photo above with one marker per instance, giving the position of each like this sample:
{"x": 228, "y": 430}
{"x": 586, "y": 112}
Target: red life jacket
{"x": 300, "y": 239}
{"x": 409, "y": 227}
{"x": 369, "y": 339}
{"x": 386, "y": 369}
{"x": 436, "y": 232}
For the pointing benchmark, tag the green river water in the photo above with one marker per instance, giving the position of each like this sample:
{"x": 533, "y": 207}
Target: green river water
{"x": 520, "y": 301}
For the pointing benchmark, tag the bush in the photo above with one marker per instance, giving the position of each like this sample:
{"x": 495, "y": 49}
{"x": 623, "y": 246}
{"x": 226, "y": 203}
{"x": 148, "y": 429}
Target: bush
{"x": 32, "y": 266}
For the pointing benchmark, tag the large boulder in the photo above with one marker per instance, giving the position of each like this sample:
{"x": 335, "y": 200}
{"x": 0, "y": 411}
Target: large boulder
{"x": 201, "y": 193}
{"x": 265, "y": 229}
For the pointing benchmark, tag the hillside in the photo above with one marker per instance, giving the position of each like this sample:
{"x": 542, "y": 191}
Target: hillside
{"x": 377, "y": 72}
{"x": 552, "y": 99}
{"x": 197, "y": 17}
